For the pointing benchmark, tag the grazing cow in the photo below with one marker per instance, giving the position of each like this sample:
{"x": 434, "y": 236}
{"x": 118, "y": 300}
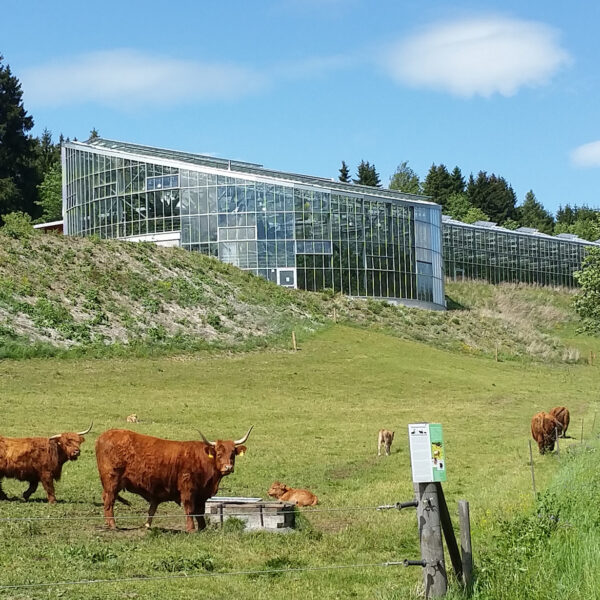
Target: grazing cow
{"x": 132, "y": 418}
{"x": 385, "y": 438}
{"x": 287, "y": 494}
{"x": 38, "y": 459}
{"x": 561, "y": 414}
{"x": 544, "y": 429}
{"x": 161, "y": 470}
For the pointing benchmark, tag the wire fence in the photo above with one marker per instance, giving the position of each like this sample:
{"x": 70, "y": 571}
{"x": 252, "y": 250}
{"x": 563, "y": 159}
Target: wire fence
{"x": 81, "y": 517}
{"x": 216, "y": 574}
{"x": 250, "y": 572}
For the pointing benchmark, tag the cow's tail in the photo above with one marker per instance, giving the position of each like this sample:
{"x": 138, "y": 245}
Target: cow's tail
{"x": 121, "y": 499}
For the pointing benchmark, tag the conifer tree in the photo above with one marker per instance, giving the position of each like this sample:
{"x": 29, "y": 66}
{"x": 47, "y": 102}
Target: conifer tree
{"x": 493, "y": 195}
{"x": 18, "y": 178}
{"x": 532, "y": 214}
{"x": 457, "y": 181}
{"x": 344, "y": 176}
{"x": 367, "y": 175}
{"x": 438, "y": 184}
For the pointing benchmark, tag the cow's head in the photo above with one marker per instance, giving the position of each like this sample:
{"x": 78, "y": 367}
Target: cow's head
{"x": 277, "y": 489}
{"x": 223, "y": 452}
{"x": 69, "y": 443}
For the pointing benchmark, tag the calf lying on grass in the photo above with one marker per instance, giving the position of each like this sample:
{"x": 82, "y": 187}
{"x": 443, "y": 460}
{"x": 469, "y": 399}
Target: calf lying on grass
{"x": 287, "y": 494}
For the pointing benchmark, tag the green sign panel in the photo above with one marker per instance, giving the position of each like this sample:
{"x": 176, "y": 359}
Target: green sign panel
{"x": 427, "y": 452}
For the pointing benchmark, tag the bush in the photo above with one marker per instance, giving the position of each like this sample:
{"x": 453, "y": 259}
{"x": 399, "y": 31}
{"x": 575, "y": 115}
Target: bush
{"x": 17, "y": 225}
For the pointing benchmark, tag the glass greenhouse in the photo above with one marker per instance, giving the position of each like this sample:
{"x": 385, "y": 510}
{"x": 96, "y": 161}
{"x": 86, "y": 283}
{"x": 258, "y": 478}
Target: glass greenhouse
{"x": 485, "y": 251}
{"x": 296, "y": 230}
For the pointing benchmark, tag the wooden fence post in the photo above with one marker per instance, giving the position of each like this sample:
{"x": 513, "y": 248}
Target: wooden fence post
{"x": 449, "y": 536}
{"x": 334, "y": 315}
{"x": 465, "y": 543}
{"x": 435, "y": 578}
{"x": 532, "y": 469}
{"x": 556, "y": 437}
{"x": 294, "y": 341}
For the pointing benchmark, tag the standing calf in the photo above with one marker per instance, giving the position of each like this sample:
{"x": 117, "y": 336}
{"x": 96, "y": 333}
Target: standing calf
{"x": 561, "y": 414}
{"x": 38, "y": 459}
{"x": 385, "y": 438}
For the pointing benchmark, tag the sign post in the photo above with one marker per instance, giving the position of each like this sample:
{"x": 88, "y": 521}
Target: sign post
{"x": 428, "y": 463}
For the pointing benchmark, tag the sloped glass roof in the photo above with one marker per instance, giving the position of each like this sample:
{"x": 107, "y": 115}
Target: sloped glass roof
{"x": 249, "y": 168}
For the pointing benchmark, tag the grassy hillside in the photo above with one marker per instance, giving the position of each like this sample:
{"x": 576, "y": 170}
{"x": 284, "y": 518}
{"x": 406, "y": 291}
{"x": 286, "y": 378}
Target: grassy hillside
{"x": 71, "y": 296}
{"x": 316, "y": 414}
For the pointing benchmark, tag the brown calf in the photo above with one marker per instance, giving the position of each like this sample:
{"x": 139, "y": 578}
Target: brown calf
{"x": 384, "y": 438}
{"x": 287, "y": 494}
{"x": 561, "y": 414}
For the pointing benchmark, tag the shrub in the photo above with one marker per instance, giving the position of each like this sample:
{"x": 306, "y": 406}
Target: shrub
{"x": 17, "y": 225}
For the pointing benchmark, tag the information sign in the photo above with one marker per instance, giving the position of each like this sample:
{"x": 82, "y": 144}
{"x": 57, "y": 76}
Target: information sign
{"x": 427, "y": 452}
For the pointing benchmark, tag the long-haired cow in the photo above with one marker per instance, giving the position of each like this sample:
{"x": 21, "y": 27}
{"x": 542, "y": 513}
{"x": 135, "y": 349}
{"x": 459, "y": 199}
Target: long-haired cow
{"x": 561, "y": 414}
{"x": 36, "y": 459}
{"x": 162, "y": 470}
{"x": 544, "y": 430}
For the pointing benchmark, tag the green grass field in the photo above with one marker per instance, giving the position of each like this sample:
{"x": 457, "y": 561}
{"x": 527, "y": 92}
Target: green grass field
{"x": 316, "y": 414}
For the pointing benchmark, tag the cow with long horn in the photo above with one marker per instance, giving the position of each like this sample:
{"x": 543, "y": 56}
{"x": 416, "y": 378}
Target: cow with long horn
{"x": 36, "y": 459}
{"x": 162, "y": 470}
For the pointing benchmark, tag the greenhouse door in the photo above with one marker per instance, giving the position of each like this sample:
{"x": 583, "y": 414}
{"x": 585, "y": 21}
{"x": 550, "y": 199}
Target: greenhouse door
{"x": 286, "y": 277}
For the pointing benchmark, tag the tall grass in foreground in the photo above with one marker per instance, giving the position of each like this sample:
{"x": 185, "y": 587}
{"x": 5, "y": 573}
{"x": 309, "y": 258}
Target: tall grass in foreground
{"x": 552, "y": 550}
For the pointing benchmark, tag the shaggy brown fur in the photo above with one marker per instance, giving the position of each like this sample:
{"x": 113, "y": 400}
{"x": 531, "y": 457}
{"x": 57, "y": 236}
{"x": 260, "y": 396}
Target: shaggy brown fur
{"x": 384, "y": 438}
{"x": 287, "y": 494}
{"x": 561, "y": 414}
{"x": 544, "y": 429}
{"x": 162, "y": 470}
{"x": 37, "y": 459}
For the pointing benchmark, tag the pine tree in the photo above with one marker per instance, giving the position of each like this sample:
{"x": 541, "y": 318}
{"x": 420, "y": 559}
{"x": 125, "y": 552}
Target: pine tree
{"x": 457, "y": 181}
{"x": 344, "y": 173}
{"x": 18, "y": 178}
{"x": 532, "y": 214}
{"x": 565, "y": 216}
{"x": 493, "y": 195}
{"x": 367, "y": 175}
{"x": 405, "y": 180}
{"x": 438, "y": 184}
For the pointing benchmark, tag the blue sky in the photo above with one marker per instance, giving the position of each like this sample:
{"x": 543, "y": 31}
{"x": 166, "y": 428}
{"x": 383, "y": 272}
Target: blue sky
{"x": 300, "y": 85}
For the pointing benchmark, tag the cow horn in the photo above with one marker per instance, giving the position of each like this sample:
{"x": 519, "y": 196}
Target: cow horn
{"x": 241, "y": 441}
{"x": 87, "y": 430}
{"x": 205, "y": 440}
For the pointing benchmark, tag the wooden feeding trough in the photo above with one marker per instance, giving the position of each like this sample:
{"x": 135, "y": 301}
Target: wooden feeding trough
{"x": 254, "y": 512}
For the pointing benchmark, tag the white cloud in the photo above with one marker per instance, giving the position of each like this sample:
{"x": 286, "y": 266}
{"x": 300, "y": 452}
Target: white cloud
{"x": 586, "y": 155}
{"x": 129, "y": 78}
{"x": 477, "y": 56}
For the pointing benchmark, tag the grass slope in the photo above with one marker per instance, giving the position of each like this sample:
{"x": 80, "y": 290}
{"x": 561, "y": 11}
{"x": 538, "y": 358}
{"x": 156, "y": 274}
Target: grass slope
{"x": 69, "y": 296}
{"x": 317, "y": 412}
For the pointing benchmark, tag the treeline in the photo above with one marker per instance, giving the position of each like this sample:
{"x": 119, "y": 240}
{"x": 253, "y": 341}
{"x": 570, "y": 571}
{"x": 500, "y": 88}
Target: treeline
{"x": 31, "y": 180}
{"x": 482, "y": 198}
